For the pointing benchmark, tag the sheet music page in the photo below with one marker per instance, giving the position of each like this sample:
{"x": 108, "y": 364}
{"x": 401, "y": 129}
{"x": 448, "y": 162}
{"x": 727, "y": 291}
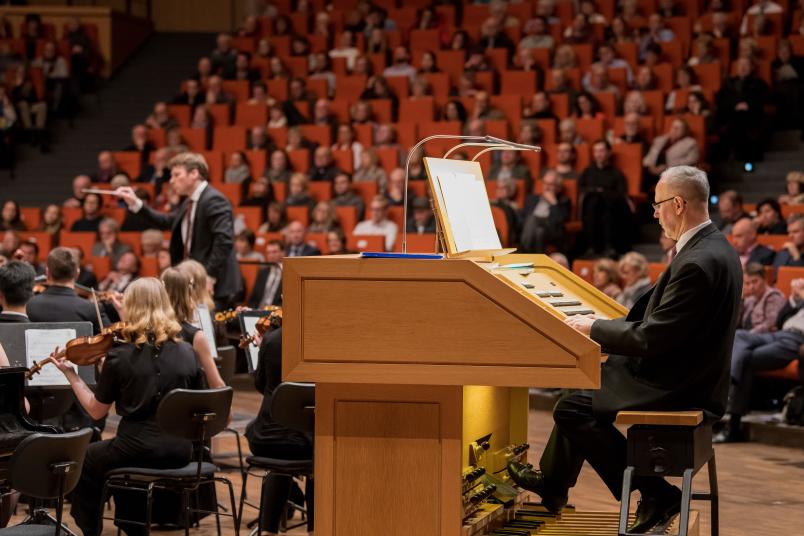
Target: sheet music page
{"x": 250, "y": 323}
{"x": 39, "y": 343}
{"x": 469, "y": 212}
{"x": 205, "y": 320}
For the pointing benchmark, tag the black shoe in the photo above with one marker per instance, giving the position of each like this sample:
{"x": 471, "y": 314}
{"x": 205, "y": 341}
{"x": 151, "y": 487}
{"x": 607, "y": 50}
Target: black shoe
{"x": 653, "y": 512}
{"x": 728, "y": 436}
{"x": 531, "y": 480}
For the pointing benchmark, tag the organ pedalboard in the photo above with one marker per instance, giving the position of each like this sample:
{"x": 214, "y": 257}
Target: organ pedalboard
{"x": 490, "y": 499}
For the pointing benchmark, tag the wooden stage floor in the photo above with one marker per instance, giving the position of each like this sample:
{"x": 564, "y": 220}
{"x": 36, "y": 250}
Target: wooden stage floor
{"x": 761, "y": 487}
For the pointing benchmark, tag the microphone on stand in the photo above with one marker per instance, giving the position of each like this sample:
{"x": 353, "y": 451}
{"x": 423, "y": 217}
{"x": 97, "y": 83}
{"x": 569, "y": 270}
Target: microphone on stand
{"x": 491, "y": 143}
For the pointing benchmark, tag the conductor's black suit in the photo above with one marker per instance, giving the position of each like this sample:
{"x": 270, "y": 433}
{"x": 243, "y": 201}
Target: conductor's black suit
{"x": 671, "y": 352}
{"x": 212, "y": 242}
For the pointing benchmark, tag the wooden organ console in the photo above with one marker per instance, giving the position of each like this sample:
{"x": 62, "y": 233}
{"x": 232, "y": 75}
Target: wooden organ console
{"x": 421, "y": 370}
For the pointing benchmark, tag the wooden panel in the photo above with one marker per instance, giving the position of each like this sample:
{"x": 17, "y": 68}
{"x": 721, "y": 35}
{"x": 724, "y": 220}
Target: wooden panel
{"x": 370, "y": 435}
{"x": 661, "y": 418}
{"x": 403, "y": 337}
{"x": 452, "y": 339}
{"x": 194, "y": 15}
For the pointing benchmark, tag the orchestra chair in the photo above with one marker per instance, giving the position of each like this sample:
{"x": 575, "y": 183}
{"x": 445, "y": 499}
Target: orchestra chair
{"x": 292, "y": 406}
{"x": 669, "y": 443}
{"x": 47, "y": 466}
{"x": 225, "y": 363}
{"x": 196, "y": 415}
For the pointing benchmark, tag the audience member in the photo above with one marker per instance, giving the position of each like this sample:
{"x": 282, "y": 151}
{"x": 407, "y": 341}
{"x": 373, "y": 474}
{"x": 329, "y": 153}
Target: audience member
{"x": 761, "y": 302}
{"x": 422, "y": 220}
{"x": 754, "y": 352}
{"x": 740, "y": 111}
{"x": 244, "y": 247}
{"x": 769, "y": 217}
{"x": 791, "y": 252}
{"x": 794, "y": 194}
{"x": 299, "y": 192}
{"x": 606, "y": 277}
{"x": 11, "y": 217}
{"x": 544, "y": 217}
{"x": 676, "y": 148}
{"x": 295, "y": 243}
{"x": 324, "y": 218}
{"x": 90, "y": 215}
{"x": 344, "y": 196}
{"x": 729, "y": 210}
{"x": 126, "y": 270}
{"x": 604, "y": 210}
{"x": 378, "y": 222}
{"x": 268, "y": 284}
{"x": 108, "y": 244}
{"x": 744, "y": 240}
{"x": 633, "y": 269}
{"x": 151, "y": 242}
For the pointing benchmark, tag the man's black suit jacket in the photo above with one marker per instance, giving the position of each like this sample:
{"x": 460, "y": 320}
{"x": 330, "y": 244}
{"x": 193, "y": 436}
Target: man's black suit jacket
{"x": 6, "y": 318}
{"x": 673, "y": 350}
{"x": 61, "y": 304}
{"x": 213, "y": 238}
{"x": 259, "y": 288}
{"x": 762, "y": 255}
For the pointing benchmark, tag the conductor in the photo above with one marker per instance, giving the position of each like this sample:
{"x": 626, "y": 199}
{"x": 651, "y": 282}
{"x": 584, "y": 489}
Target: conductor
{"x": 671, "y": 352}
{"x": 202, "y": 227}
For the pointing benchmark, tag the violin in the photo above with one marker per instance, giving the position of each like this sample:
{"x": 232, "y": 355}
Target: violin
{"x": 83, "y": 351}
{"x": 266, "y": 323}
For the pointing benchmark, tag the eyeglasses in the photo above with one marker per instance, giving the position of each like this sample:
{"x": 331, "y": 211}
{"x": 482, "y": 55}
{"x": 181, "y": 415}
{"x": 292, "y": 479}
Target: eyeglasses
{"x": 658, "y": 203}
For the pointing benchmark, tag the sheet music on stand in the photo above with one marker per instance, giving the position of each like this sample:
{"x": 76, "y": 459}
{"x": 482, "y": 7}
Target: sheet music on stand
{"x": 204, "y": 318}
{"x": 462, "y": 209}
{"x": 24, "y": 343}
{"x": 39, "y": 343}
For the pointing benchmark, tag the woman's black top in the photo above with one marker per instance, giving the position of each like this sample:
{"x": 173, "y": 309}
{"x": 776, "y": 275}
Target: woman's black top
{"x": 137, "y": 378}
{"x": 263, "y": 430}
{"x": 188, "y": 332}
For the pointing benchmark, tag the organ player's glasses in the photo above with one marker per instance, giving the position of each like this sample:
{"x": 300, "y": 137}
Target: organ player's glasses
{"x": 658, "y": 203}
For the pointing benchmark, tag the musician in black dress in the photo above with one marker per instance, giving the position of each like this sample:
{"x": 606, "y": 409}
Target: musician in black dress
{"x": 271, "y": 440}
{"x": 135, "y": 376}
{"x": 179, "y": 290}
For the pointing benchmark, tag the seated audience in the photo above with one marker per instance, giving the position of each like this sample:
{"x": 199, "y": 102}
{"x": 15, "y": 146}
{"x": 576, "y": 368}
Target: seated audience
{"x": 90, "y": 215}
{"x": 125, "y": 271}
{"x": 791, "y": 252}
{"x": 754, "y": 352}
{"x": 676, "y": 148}
{"x": 108, "y": 244}
{"x": 606, "y": 277}
{"x": 794, "y": 194}
{"x": 604, "y": 210}
{"x": 295, "y": 243}
{"x": 151, "y": 242}
{"x": 276, "y": 219}
{"x": 30, "y": 254}
{"x": 80, "y": 183}
{"x": 769, "y": 218}
{"x": 344, "y": 196}
{"x": 729, "y": 210}
{"x": 268, "y": 284}
{"x": 744, "y": 240}
{"x": 378, "y": 222}
{"x": 52, "y": 222}
{"x": 11, "y": 218}
{"x": 299, "y": 192}
{"x": 633, "y": 269}
{"x": 370, "y": 169}
{"x": 244, "y": 247}
{"x": 544, "y": 217}
{"x": 422, "y": 220}
{"x": 278, "y": 169}
{"x": 324, "y": 218}
{"x": 761, "y": 302}
{"x": 511, "y": 166}
{"x": 740, "y": 110}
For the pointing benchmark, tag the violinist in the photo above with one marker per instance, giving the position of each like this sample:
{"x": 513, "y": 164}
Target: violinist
{"x": 200, "y": 285}
{"x": 59, "y": 302}
{"x": 137, "y": 373}
{"x": 179, "y": 287}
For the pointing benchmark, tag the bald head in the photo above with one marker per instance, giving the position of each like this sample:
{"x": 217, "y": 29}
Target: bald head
{"x": 744, "y": 234}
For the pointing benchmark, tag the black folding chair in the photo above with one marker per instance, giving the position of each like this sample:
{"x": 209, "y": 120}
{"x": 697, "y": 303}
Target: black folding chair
{"x": 47, "y": 466}
{"x": 226, "y": 367}
{"x": 197, "y": 415}
{"x": 292, "y": 406}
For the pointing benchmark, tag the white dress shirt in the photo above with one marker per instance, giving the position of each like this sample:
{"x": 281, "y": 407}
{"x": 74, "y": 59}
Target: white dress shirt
{"x": 688, "y": 234}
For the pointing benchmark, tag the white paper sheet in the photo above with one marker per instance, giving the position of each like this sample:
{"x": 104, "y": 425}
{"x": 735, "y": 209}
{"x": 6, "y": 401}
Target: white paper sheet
{"x": 469, "y": 212}
{"x": 204, "y": 318}
{"x": 250, "y": 323}
{"x": 39, "y": 344}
